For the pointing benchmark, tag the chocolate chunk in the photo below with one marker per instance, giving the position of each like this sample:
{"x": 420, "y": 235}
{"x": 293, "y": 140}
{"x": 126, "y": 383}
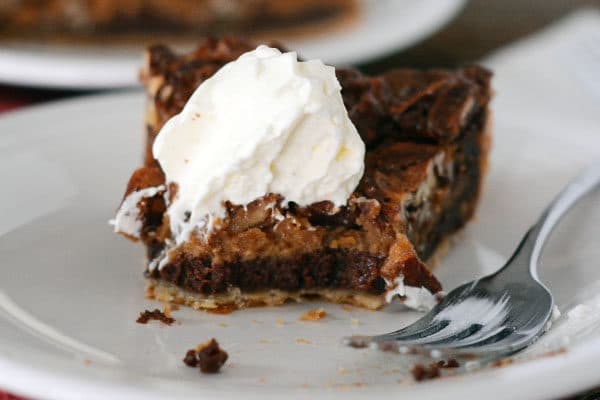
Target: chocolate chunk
{"x": 451, "y": 363}
{"x": 211, "y": 357}
{"x": 190, "y": 358}
{"x": 156, "y": 315}
{"x": 422, "y": 373}
{"x": 208, "y": 356}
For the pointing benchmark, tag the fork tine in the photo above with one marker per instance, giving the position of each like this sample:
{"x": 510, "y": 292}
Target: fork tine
{"x": 499, "y": 343}
{"x": 454, "y": 333}
{"x": 470, "y": 335}
{"x": 492, "y": 336}
{"x": 426, "y": 325}
{"x": 511, "y": 342}
{"x": 446, "y": 335}
{"x": 412, "y": 332}
{"x": 482, "y": 355}
{"x": 451, "y": 337}
{"x": 482, "y": 339}
{"x": 501, "y": 336}
{"x": 418, "y": 329}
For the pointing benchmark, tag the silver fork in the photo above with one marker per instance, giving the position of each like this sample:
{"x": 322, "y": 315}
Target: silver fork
{"x": 499, "y": 314}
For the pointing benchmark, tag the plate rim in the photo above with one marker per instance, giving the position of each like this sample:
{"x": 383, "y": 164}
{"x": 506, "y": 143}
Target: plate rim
{"x": 64, "y": 386}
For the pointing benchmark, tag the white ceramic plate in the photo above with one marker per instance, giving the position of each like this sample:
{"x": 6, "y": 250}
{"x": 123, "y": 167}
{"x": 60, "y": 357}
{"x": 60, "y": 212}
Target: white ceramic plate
{"x": 384, "y": 26}
{"x": 70, "y": 289}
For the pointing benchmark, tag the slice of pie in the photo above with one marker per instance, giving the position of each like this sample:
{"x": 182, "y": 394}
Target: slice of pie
{"x": 426, "y": 135}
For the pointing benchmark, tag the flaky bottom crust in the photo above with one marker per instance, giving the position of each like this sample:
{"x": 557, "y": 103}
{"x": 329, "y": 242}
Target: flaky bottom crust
{"x": 235, "y": 298}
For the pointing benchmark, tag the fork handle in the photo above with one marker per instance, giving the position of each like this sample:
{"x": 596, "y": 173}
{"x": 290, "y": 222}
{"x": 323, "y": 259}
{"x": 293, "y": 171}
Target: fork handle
{"x": 535, "y": 239}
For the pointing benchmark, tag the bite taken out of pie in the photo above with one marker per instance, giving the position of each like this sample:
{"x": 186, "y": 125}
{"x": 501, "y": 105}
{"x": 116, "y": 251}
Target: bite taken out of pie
{"x": 268, "y": 179}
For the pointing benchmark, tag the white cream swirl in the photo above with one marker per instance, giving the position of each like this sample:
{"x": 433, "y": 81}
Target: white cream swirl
{"x": 265, "y": 123}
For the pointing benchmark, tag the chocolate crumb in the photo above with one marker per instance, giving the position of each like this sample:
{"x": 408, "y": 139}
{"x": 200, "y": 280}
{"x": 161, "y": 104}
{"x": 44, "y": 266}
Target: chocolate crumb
{"x": 422, "y": 373}
{"x": 359, "y": 342}
{"x": 156, "y": 315}
{"x": 389, "y": 347}
{"x": 501, "y": 363}
{"x": 313, "y": 315}
{"x": 211, "y": 357}
{"x": 208, "y": 356}
{"x": 552, "y": 353}
{"x": 190, "y": 358}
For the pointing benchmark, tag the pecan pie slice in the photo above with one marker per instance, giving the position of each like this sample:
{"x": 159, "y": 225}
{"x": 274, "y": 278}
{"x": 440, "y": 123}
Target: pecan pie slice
{"x": 427, "y": 139}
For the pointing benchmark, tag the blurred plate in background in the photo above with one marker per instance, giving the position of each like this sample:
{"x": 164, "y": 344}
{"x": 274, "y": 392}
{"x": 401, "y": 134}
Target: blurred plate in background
{"x": 383, "y": 26}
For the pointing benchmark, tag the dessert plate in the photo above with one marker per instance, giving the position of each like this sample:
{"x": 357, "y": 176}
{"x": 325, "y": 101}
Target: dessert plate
{"x": 383, "y": 26}
{"x": 70, "y": 289}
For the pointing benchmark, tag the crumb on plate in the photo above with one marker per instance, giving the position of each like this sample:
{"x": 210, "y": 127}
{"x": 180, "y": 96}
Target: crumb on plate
{"x": 423, "y": 373}
{"x": 156, "y": 315}
{"x": 450, "y": 363}
{"x": 208, "y": 356}
{"x": 314, "y": 315}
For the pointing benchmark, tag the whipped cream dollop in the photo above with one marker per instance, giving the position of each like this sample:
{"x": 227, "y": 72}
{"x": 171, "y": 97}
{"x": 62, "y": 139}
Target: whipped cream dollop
{"x": 264, "y": 123}
{"x": 416, "y": 298}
